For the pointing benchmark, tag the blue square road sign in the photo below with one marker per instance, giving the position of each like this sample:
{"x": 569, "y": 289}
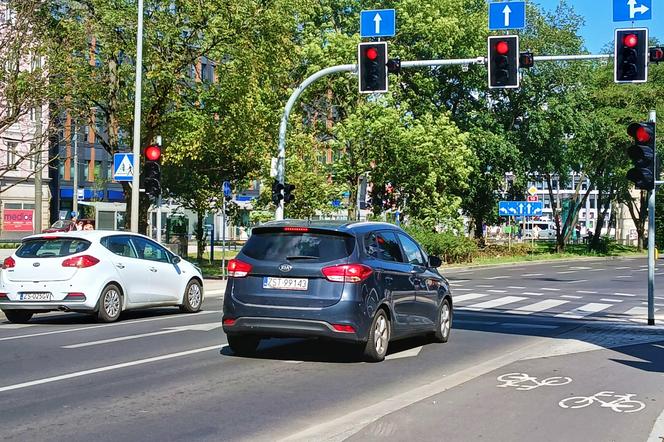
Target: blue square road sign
{"x": 631, "y": 10}
{"x": 507, "y": 15}
{"x": 378, "y": 23}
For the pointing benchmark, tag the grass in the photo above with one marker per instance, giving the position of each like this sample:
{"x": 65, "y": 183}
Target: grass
{"x": 212, "y": 269}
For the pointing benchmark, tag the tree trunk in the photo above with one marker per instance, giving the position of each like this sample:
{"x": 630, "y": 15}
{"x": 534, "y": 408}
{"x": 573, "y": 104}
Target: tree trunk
{"x": 200, "y": 239}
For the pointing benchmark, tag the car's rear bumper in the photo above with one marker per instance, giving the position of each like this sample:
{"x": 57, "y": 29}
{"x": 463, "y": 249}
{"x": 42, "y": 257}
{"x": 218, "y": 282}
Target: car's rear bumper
{"x": 67, "y": 306}
{"x": 287, "y": 327}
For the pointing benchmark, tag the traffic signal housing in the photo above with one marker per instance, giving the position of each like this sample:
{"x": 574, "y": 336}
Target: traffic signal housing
{"x": 277, "y": 194}
{"x": 503, "y": 62}
{"x": 372, "y": 67}
{"x": 288, "y": 193}
{"x": 631, "y": 56}
{"x": 642, "y": 154}
{"x": 152, "y": 171}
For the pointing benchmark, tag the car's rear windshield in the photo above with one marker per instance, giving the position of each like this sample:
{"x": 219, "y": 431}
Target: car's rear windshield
{"x": 306, "y": 246}
{"x": 47, "y": 248}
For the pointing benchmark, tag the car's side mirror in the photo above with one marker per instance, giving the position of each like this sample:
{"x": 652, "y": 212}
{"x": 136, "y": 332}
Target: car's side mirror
{"x": 175, "y": 259}
{"x": 435, "y": 262}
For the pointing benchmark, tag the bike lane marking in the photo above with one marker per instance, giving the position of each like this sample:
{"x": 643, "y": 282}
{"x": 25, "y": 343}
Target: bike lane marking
{"x": 622, "y": 404}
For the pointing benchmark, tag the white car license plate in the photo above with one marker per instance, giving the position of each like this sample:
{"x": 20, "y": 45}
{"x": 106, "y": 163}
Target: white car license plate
{"x": 38, "y": 296}
{"x": 285, "y": 283}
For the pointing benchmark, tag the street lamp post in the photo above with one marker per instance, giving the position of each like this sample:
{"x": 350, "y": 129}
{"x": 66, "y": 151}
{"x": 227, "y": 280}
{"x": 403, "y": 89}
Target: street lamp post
{"x": 135, "y": 180}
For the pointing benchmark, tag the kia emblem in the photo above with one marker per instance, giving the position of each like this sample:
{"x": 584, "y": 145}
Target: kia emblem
{"x": 285, "y": 267}
{"x": 35, "y": 264}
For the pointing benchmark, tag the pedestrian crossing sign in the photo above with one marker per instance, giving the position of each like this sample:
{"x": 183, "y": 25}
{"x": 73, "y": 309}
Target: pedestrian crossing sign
{"x": 123, "y": 166}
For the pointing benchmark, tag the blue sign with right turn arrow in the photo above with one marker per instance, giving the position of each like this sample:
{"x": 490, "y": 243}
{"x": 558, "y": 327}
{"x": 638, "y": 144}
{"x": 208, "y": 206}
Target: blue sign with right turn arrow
{"x": 520, "y": 208}
{"x": 631, "y": 10}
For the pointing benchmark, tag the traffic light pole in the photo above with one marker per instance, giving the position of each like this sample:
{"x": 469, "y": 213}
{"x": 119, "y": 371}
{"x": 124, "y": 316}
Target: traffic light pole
{"x": 135, "y": 179}
{"x": 281, "y": 156}
{"x": 651, "y": 237}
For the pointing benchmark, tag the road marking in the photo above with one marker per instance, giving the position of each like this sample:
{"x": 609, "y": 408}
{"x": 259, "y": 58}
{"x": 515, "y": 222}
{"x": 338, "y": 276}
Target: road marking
{"x": 115, "y": 324}
{"x": 411, "y": 352}
{"x": 611, "y": 300}
{"x": 537, "y": 307}
{"x": 584, "y": 310}
{"x": 78, "y": 374}
{"x": 497, "y": 291}
{"x": 194, "y": 327}
{"x": 533, "y": 274}
{"x": 462, "y": 290}
{"x": 571, "y": 297}
{"x": 623, "y": 268}
{"x": 468, "y": 297}
{"x": 215, "y": 292}
{"x": 624, "y": 276}
{"x": 473, "y": 322}
{"x": 518, "y": 287}
{"x": 596, "y": 270}
{"x": 495, "y": 303}
{"x": 532, "y": 293}
{"x": 15, "y": 326}
{"x": 566, "y": 271}
{"x": 484, "y": 286}
{"x": 525, "y": 382}
{"x": 580, "y": 268}
{"x": 638, "y": 311}
{"x": 559, "y": 266}
{"x": 588, "y": 292}
{"x": 624, "y": 294}
{"x": 641, "y": 270}
{"x": 522, "y": 325}
{"x": 498, "y": 277}
{"x": 623, "y": 403}
{"x": 456, "y": 281}
{"x": 549, "y": 289}
{"x": 576, "y": 281}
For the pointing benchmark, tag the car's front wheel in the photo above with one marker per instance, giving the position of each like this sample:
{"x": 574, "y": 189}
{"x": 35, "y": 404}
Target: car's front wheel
{"x": 243, "y": 345}
{"x": 18, "y": 316}
{"x": 379, "y": 338}
{"x": 193, "y": 297}
{"x": 110, "y": 304}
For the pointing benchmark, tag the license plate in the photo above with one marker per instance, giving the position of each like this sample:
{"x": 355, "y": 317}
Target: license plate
{"x": 38, "y": 296}
{"x": 285, "y": 283}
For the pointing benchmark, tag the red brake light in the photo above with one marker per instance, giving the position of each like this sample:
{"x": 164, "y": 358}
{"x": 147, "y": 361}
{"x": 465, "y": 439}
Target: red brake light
{"x": 229, "y": 321}
{"x": 296, "y": 229}
{"x": 8, "y": 263}
{"x": 80, "y": 262}
{"x": 502, "y": 47}
{"x": 630, "y": 40}
{"x": 347, "y": 273}
{"x": 238, "y": 269}
{"x": 75, "y": 296}
{"x": 343, "y": 328}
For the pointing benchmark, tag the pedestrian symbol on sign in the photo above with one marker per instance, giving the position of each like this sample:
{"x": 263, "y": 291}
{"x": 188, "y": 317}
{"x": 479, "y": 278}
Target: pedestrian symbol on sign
{"x": 123, "y": 167}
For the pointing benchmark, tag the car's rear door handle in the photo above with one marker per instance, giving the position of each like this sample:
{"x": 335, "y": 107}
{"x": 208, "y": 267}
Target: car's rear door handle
{"x": 152, "y": 269}
{"x": 120, "y": 265}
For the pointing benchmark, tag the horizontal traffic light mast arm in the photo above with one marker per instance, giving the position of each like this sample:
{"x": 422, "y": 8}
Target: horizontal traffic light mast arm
{"x": 572, "y": 57}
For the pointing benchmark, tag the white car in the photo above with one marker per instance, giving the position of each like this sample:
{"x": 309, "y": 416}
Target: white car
{"x": 95, "y": 271}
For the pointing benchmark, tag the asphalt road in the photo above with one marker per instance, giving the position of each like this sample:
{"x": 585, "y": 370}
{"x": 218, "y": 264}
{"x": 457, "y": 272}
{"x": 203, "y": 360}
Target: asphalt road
{"x": 526, "y": 341}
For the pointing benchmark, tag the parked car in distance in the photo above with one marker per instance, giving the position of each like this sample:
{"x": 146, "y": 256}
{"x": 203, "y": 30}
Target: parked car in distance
{"x": 66, "y": 225}
{"x": 365, "y": 283}
{"x": 98, "y": 272}
{"x": 545, "y": 230}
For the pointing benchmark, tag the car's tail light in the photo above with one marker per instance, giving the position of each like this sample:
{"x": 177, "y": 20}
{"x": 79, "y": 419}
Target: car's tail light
{"x": 343, "y": 328}
{"x": 9, "y": 263}
{"x": 296, "y": 229}
{"x": 75, "y": 296}
{"x": 229, "y": 321}
{"x": 3, "y": 296}
{"x": 238, "y": 269}
{"x": 80, "y": 262}
{"x": 347, "y": 273}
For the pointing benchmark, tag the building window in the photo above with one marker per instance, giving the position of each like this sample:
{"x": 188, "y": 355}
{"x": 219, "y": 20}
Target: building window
{"x": 12, "y": 154}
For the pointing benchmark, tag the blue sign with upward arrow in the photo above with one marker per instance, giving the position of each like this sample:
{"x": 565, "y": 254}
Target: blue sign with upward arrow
{"x": 507, "y": 15}
{"x": 520, "y": 208}
{"x": 378, "y": 23}
{"x": 630, "y": 10}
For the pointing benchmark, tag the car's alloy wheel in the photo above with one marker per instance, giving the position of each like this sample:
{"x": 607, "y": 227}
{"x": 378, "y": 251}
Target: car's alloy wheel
{"x": 444, "y": 326}
{"x": 193, "y": 297}
{"x": 379, "y": 338}
{"x": 110, "y": 304}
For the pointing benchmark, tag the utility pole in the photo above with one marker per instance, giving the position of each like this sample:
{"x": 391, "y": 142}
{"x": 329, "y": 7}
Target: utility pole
{"x": 651, "y": 233}
{"x": 135, "y": 182}
{"x": 37, "y": 223}
{"x": 75, "y": 183}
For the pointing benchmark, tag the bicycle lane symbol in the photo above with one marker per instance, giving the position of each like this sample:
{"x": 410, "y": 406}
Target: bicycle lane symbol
{"x": 621, "y": 403}
{"x": 525, "y": 382}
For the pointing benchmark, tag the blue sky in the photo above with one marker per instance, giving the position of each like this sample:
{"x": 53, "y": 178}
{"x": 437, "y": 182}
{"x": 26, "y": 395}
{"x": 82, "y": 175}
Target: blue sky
{"x": 598, "y": 15}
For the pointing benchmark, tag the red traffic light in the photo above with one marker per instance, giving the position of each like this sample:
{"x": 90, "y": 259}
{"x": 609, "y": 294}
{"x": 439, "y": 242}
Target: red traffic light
{"x": 657, "y": 54}
{"x": 642, "y": 132}
{"x": 631, "y": 40}
{"x": 502, "y": 47}
{"x": 642, "y": 135}
{"x": 153, "y": 152}
{"x": 372, "y": 54}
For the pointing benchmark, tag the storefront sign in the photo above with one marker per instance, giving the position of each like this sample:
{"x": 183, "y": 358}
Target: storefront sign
{"x": 16, "y": 220}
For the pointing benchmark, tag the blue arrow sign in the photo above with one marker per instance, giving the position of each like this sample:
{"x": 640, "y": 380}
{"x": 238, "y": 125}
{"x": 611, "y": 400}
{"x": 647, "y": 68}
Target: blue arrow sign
{"x": 227, "y": 188}
{"x": 507, "y": 15}
{"x": 520, "y": 208}
{"x": 378, "y": 23}
{"x": 630, "y": 10}
{"x": 123, "y": 166}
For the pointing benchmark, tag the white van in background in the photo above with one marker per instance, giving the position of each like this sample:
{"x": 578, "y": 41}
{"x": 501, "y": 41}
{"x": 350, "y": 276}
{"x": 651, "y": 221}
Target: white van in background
{"x": 547, "y": 230}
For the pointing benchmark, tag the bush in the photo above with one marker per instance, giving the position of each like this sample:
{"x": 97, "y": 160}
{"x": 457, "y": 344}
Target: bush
{"x": 499, "y": 250}
{"x": 448, "y": 246}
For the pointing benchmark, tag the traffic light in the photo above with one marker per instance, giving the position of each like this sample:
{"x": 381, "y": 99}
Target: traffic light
{"x": 631, "y": 56}
{"x": 277, "y": 196}
{"x": 504, "y": 62}
{"x": 288, "y": 193}
{"x": 526, "y": 60}
{"x": 656, "y": 54}
{"x": 372, "y": 67}
{"x": 152, "y": 171}
{"x": 642, "y": 154}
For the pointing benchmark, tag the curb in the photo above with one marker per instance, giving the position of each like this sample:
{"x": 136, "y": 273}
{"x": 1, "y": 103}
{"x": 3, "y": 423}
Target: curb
{"x": 463, "y": 267}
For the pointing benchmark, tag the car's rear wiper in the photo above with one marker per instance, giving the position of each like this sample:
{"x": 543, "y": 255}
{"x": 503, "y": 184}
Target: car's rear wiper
{"x": 301, "y": 257}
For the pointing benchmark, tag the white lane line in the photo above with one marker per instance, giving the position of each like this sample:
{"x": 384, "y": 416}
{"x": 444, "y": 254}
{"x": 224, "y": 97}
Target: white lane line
{"x": 571, "y": 297}
{"x": 641, "y": 270}
{"x": 611, "y": 300}
{"x": 533, "y": 274}
{"x": 580, "y": 268}
{"x": 532, "y": 293}
{"x": 576, "y": 281}
{"x": 473, "y": 322}
{"x": 115, "y": 324}
{"x": 584, "y": 310}
{"x": 566, "y": 271}
{"x": 596, "y": 270}
{"x": 456, "y": 281}
{"x": 518, "y": 287}
{"x": 623, "y": 268}
{"x": 495, "y": 303}
{"x": 462, "y": 290}
{"x": 468, "y": 297}
{"x": 588, "y": 292}
{"x": 14, "y": 326}
{"x": 624, "y": 276}
{"x": 498, "y": 277}
{"x": 537, "y": 307}
{"x": 520, "y": 325}
{"x": 411, "y": 352}
{"x": 559, "y": 266}
{"x": 497, "y": 291}
{"x": 78, "y": 374}
{"x": 624, "y": 294}
{"x": 483, "y": 286}
{"x": 548, "y": 289}
{"x": 638, "y": 311}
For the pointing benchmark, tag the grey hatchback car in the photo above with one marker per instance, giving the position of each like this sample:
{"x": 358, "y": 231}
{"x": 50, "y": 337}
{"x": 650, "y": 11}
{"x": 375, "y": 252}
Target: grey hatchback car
{"x": 360, "y": 282}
